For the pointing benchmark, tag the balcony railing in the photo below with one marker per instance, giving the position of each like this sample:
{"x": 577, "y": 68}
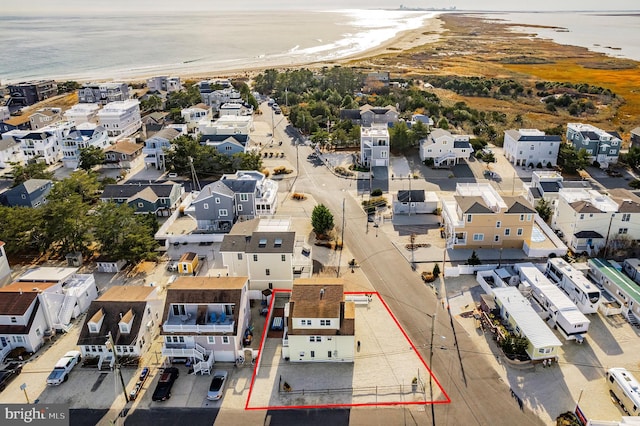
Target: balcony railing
{"x": 177, "y": 327}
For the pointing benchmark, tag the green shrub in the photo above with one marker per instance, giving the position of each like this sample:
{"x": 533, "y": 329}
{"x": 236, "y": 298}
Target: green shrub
{"x": 376, "y": 192}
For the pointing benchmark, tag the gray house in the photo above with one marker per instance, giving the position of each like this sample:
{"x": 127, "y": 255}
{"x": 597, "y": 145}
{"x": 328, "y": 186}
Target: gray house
{"x": 603, "y": 147}
{"x": 368, "y": 115}
{"x": 158, "y": 199}
{"x": 32, "y": 193}
{"x": 240, "y": 196}
{"x": 635, "y": 137}
{"x": 226, "y": 144}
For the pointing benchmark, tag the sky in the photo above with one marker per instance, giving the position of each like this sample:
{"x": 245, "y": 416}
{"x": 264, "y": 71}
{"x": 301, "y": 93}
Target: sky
{"x": 90, "y": 6}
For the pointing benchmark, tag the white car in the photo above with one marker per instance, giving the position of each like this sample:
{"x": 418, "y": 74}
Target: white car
{"x": 63, "y": 367}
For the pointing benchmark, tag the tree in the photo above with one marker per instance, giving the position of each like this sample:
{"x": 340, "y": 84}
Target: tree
{"x": 418, "y": 131}
{"x": 572, "y": 160}
{"x": 246, "y": 161}
{"x": 436, "y": 270}
{"x": 399, "y": 137}
{"x": 443, "y": 123}
{"x": 35, "y": 170}
{"x": 21, "y": 229}
{"x": 474, "y": 259}
{"x": 152, "y": 103}
{"x": 632, "y": 158}
{"x": 321, "y": 219}
{"x": 544, "y": 209}
{"x": 91, "y": 156}
{"x": 66, "y": 224}
{"x": 84, "y": 184}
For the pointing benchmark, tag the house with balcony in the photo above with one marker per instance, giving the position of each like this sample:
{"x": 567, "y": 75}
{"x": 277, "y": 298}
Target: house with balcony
{"x": 602, "y": 146}
{"x": 156, "y": 146}
{"x": 205, "y": 320}
{"x": 85, "y": 135}
{"x": 478, "y": 217}
{"x": 226, "y": 144}
{"x": 164, "y": 84}
{"x": 367, "y": 115}
{"x": 215, "y": 94}
{"x": 82, "y": 113}
{"x": 120, "y": 118}
{"x": 445, "y": 149}
{"x": 45, "y": 117}
{"x": 319, "y": 322}
{"x": 269, "y": 253}
{"x": 42, "y": 145}
{"x": 31, "y": 92}
{"x": 124, "y": 154}
{"x": 130, "y": 314}
{"x": 22, "y": 321}
{"x": 103, "y": 93}
{"x": 531, "y": 147}
{"x": 160, "y": 199}
{"x": 30, "y": 193}
{"x": 241, "y": 196}
{"x": 585, "y": 219}
{"x": 10, "y": 152}
{"x": 374, "y": 146}
{"x": 228, "y": 125}
{"x": 195, "y": 114}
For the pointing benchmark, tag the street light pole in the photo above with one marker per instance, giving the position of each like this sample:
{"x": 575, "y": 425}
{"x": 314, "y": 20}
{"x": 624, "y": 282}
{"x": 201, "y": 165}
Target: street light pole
{"x": 111, "y": 345}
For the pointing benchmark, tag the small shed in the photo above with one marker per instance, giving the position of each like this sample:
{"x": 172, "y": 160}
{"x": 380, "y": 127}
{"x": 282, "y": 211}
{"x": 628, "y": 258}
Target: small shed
{"x": 416, "y": 201}
{"x": 110, "y": 266}
{"x": 188, "y": 263}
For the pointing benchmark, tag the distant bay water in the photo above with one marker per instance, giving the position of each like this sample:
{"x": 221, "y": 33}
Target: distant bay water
{"x": 612, "y": 33}
{"x": 127, "y": 46}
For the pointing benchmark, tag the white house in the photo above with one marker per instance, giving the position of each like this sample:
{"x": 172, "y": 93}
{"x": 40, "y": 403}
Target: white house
{"x": 585, "y": 219}
{"x": 415, "y": 201}
{"x": 5, "y": 269}
{"x": 130, "y": 314}
{"x": 22, "y": 320}
{"x": 120, "y": 118}
{"x": 5, "y": 113}
{"x": 164, "y": 84}
{"x": 85, "y": 135}
{"x": 319, "y": 323}
{"x": 444, "y": 148}
{"x": 270, "y": 254}
{"x": 531, "y": 147}
{"x": 156, "y": 146}
{"x": 216, "y": 98}
{"x": 10, "y": 152}
{"x": 44, "y": 144}
{"x": 545, "y": 185}
{"x": 195, "y": 114}
{"x": 227, "y": 125}
{"x": 205, "y": 320}
{"x": 374, "y": 146}
{"x": 82, "y": 113}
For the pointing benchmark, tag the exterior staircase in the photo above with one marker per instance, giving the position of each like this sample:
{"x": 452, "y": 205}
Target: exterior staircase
{"x": 438, "y": 161}
{"x": 66, "y": 311}
{"x": 106, "y": 357}
{"x": 633, "y": 320}
{"x": 204, "y": 366}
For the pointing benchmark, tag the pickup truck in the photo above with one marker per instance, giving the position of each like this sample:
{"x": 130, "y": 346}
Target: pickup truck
{"x": 165, "y": 383}
{"x": 63, "y": 367}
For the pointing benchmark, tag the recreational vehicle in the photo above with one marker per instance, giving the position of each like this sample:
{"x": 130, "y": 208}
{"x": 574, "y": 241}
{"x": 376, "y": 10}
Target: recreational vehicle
{"x": 575, "y": 284}
{"x": 623, "y": 388}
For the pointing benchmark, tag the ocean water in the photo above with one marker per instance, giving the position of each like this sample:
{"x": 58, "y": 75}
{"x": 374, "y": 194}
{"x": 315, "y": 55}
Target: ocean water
{"x": 611, "y": 33}
{"x": 126, "y": 46}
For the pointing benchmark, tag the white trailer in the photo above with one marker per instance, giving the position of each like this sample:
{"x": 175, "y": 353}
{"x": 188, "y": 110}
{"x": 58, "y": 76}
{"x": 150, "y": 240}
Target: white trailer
{"x": 563, "y": 313}
{"x": 585, "y": 294}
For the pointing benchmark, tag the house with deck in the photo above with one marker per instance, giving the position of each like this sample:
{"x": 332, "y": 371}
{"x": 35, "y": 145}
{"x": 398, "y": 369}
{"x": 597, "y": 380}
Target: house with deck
{"x": 82, "y": 113}
{"x": 44, "y": 117}
{"x": 319, "y": 322}
{"x": 103, "y": 93}
{"x": 160, "y": 199}
{"x": 374, "y": 146}
{"x": 195, "y": 114}
{"x": 10, "y": 152}
{"x": 226, "y": 144}
{"x": 130, "y": 314}
{"x": 205, "y": 319}
{"x": 124, "y": 154}
{"x": 156, "y": 147}
{"x": 84, "y": 135}
{"x": 445, "y": 149}
{"x": 602, "y": 146}
{"x": 31, "y": 193}
{"x": 531, "y": 147}
{"x": 121, "y": 119}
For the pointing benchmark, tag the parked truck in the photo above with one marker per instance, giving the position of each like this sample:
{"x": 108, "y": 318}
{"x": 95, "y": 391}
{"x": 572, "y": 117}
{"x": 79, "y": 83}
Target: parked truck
{"x": 63, "y": 367}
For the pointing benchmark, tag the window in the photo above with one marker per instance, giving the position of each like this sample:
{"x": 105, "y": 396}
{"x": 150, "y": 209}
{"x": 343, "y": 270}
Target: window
{"x": 38, "y": 332}
{"x": 225, "y": 340}
{"x": 223, "y": 213}
{"x": 244, "y": 197}
{"x": 383, "y": 154}
{"x": 267, "y": 271}
{"x": 532, "y": 147}
{"x": 217, "y": 200}
{"x": 626, "y": 217}
{"x": 255, "y": 257}
{"x": 270, "y": 286}
{"x": 205, "y": 206}
{"x": 313, "y": 354}
{"x": 581, "y": 216}
{"x": 507, "y": 232}
{"x": 468, "y": 218}
{"x": 521, "y": 217}
{"x": 140, "y": 204}
{"x": 239, "y": 256}
{"x": 179, "y": 310}
{"x": 478, "y": 237}
{"x": 498, "y": 224}
{"x": 14, "y": 319}
{"x": 519, "y": 232}
{"x": 312, "y": 338}
{"x": 623, "y": 231}
{"x": 93, "y": 328}
{"x": 328, "y": 354}
{"x": 496, "y": 238}
{"x": 529, "y": 218}
{"x": 283, "y": 257}
{"x": 305, "y": 322}
{"x": 239, "y": 207}
{"x": 325, "y": 322}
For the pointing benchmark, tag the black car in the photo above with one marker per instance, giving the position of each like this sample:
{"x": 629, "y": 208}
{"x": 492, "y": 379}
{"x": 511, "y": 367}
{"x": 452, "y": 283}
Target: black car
{"x": 165, "y": 383}
{"x": 9, "y": 373}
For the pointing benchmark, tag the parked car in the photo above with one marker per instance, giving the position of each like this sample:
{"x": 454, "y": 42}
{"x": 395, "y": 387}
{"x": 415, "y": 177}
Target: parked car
{"x": 138, "y": 387}
{"x": 165, "y": 383}
{"x": 614, "y": 173}
{"x": 172, "y": 175}
{"x": 216, "y": 388}
{"x": 63, "y": 367}
{"x": 172, "y": 266}
{"x": 8, "y": 373}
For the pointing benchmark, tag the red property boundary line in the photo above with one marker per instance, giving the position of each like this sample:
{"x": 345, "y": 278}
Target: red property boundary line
{"x": 324, "y": 406}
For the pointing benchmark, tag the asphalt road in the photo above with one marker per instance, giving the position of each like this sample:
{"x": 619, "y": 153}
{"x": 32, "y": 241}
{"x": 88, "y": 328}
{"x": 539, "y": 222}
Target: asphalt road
{"x": 477, "y": 394}
{"x": 172, "y": 417}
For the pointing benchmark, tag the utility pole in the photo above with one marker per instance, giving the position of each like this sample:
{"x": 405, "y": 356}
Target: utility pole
{"x": 341, "y": 240}
{"x": 433, "y": 325}
{"x": 110, "y": 344}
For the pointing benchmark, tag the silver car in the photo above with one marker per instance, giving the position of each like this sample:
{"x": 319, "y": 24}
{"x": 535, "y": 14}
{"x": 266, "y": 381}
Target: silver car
{"x": 218, "y": 383}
